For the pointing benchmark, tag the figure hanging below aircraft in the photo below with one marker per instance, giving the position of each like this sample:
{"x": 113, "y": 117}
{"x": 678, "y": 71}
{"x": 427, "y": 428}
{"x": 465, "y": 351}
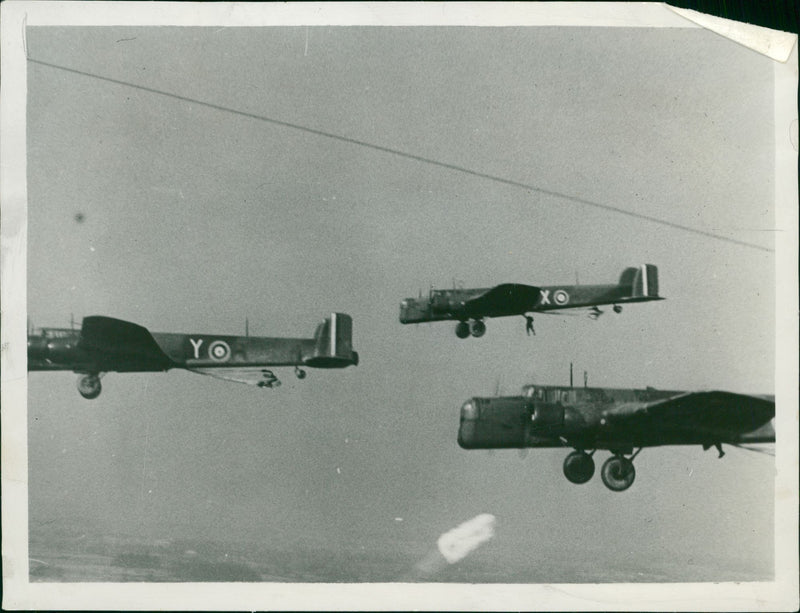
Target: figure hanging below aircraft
{"x": 469, "y": 307}
{"x": 529, "y": 325}
{"x": 105, "y": 344}
{"x": 619, "y": 420}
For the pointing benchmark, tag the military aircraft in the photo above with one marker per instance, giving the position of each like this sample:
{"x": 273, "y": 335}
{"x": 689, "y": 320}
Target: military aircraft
{"x": 619, "y": 420}
{"x": 104, "y": 344}
{"x": 470, "y": 306}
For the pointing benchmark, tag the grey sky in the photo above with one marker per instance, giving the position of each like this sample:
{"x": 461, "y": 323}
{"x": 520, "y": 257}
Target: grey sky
{"x": 196, "y": 218}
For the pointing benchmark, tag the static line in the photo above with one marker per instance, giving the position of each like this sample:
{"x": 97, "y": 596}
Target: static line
{"x": 411, "y": 156}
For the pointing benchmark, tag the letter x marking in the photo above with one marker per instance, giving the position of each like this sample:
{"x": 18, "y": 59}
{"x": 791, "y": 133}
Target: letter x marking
{"x": 545, "y": 296}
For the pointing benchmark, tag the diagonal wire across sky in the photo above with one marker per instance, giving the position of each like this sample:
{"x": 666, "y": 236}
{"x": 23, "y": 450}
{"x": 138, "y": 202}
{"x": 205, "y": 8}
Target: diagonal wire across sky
{"x": 410, "y": 156}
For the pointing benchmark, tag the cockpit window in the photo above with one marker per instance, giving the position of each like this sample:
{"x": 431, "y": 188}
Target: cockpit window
{"x": 534, "y": 392}
{"x": 57, "y": 333}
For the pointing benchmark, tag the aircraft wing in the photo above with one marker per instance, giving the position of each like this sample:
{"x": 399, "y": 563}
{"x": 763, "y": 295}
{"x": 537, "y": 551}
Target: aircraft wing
{"x": 251, "y": 375}
{"x": 720, "y": 415}
{"x": 120, "y": 345}
{"x": 504, "y": 299}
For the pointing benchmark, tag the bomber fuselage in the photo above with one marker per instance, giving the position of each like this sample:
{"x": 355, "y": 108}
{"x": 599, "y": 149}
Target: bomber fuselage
{"x": 59, "y": 349}
{"x": 106, "y": 344}
{"x": 454, "y": 304}
{"x": 605, "y": 418}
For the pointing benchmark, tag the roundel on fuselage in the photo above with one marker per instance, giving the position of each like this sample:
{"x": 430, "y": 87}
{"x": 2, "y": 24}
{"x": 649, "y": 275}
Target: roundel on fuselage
{"x": 219, "y": 351}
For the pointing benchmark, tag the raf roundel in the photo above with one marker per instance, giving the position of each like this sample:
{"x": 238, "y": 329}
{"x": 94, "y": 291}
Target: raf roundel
{"x": 219, "y": 351}
{"x": 561, "y": 297}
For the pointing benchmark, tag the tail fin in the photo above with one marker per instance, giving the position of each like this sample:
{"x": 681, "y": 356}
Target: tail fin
{"x": 333, "y": 343}
{"x": 642, "y": 282}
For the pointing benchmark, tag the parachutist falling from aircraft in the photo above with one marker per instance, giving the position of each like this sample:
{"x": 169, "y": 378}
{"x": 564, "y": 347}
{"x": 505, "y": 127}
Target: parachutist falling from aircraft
{"x": 529, "y": 325}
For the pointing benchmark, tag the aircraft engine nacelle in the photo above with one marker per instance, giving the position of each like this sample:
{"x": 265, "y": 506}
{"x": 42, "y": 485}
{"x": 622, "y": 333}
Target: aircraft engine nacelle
{"x": 494, "y": 423}
{"x": 333, "y": 343}
{"x": 547, "y": 419}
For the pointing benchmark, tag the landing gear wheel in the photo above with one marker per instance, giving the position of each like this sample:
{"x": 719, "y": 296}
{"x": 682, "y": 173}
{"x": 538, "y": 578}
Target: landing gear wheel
{"x": 300, "y": 373}
{"x": 578, "y": 467}
{"x": 617, "y": 308}
{"x": 89, "y": 386}
{"x": 477, "y": 328}
{"x": 462, "y": 329}
{"x": 618, "y": 473}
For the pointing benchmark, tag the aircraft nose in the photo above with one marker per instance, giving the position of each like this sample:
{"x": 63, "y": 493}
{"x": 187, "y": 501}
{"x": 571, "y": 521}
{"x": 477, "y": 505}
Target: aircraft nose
{"x": 467, "y": 427}
{"x": 469, "y": 411}
{"x": 404, "y": 312}
{"x": 37, "y": 348}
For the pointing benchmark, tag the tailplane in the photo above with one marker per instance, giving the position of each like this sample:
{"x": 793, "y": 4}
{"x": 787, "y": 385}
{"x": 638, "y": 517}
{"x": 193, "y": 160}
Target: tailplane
{"x": 333, "y": 343}
{"x": 641, "y": 281}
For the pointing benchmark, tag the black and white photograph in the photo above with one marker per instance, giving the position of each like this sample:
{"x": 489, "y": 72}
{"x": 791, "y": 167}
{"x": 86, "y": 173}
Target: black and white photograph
{"x": 352, "y": 306}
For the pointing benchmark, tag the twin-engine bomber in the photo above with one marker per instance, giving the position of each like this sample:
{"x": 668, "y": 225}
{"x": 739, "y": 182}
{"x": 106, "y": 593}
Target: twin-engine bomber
{"x": 469, "y": 307}
{"x": 105, "y": 344}
{"x": 619, "y": 420}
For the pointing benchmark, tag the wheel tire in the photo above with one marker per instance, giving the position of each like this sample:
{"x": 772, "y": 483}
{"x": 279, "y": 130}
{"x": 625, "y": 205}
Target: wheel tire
{"x": 477, "y": 328}
{"x": 89, "y": 387}
{"x": 578, "y": 467}
{"x": 301, "y": 374}
{"x": 462, "y": 329}
{"x": 618, "y": 473}
{"x": 617, "y": 308}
